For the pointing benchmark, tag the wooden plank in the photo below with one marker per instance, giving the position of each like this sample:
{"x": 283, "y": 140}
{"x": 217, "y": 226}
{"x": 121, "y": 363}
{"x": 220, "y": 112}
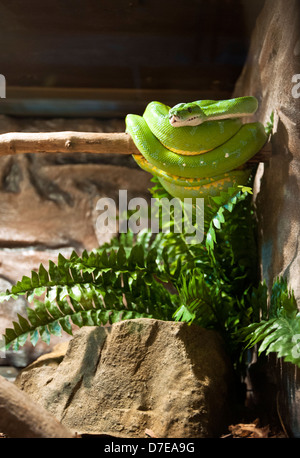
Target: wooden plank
{"x": 94, "y": 102}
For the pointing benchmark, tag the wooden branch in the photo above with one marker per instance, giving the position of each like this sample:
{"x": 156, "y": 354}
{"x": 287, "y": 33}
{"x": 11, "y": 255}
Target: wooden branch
{"x": 82, "y": 142}
{"x": 66, "y": 142}
{"x": 20, "y": 417}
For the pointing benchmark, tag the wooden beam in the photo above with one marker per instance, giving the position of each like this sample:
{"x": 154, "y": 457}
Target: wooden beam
{"x": 82, "y": 142}
{"x": 94, "y": 102}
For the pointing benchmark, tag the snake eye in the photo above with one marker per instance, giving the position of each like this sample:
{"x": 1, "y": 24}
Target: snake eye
{"x": 189, "y": 110}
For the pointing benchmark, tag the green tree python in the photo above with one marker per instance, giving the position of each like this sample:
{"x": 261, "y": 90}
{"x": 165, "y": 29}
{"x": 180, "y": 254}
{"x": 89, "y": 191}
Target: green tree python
{"x": 197, "y": 149}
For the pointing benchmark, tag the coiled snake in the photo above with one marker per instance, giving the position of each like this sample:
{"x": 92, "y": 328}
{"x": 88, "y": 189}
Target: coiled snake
{"x": 197, "y": 149}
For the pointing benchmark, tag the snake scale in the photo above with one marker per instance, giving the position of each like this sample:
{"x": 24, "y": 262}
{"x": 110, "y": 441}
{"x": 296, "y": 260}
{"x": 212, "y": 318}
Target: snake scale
{"x": 197, "y": 149}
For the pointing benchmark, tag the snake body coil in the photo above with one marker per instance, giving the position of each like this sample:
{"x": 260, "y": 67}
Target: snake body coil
{"x": 197, "y": 160}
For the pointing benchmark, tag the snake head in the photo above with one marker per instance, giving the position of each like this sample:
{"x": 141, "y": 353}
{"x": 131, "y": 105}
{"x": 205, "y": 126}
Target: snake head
{"x": 186, "y": 114}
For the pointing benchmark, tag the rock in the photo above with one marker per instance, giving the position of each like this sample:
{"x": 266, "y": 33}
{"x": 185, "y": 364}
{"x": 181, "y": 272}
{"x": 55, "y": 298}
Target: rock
{"x": 272, "y": 63}
{"x": 20, "y": 417}
{"x": 49, "y": 206}
{"x": 168, "y": 377}
{"x": 58, "y": 198}
{"x": 272, "y": 74}
{"x": 46, "y": 197}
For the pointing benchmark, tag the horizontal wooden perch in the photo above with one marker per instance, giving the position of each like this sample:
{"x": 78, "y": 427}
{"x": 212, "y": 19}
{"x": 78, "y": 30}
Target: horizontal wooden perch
{"x": 81, "y": 142}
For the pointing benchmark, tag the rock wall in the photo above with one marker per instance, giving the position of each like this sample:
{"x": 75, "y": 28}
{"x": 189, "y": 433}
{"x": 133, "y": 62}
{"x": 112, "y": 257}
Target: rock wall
{"x": 271, "y": 73}
{"x": 273, "y": 60}
{"x": 48, "y": 205}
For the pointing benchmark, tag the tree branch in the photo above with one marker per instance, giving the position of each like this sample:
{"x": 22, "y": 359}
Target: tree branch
{"x": 66, "y": 142}
{"x": 82, "y": 142}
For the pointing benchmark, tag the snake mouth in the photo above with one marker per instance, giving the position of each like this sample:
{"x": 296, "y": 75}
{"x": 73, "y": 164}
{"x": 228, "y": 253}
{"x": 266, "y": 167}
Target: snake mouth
{"x": 192, "y": 121}
{"x": 174, "y": 119}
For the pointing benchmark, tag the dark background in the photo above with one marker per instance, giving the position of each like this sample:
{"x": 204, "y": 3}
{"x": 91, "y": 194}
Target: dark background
{"x": 102, "y": 50}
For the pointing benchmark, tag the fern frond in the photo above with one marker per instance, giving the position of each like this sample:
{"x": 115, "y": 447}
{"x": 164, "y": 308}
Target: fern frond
{"x": 92, "y": 289}
{"x": 215, "y": 212}
{"x": 279, "y": 332}
{"x": 197, "y": 301}
{"x": 48, "y": 318}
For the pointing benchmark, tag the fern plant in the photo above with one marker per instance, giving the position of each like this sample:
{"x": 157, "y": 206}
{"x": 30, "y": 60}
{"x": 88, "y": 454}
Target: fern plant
{"x": 102, "y": 286}
{"x": 213, "y": 284}
{"x": 157, "y": 276}
{"x": 277, "y": 330}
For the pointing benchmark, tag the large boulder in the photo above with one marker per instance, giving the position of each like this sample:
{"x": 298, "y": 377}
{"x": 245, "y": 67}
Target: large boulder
{"x": 169, "y": 377}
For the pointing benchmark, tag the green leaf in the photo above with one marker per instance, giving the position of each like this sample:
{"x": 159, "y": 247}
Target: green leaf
{"x": 137, "y": 256}
{"x": 17, "y": 328}
{"x": 77, "y": 319}
{"x": 54, "y": 328}
{"x": 33, "y": 317}
{"x": 23, "y": 323}
{"x": 21, "y": 340}
{"x": 43, "y": 275}
{"x": 34, "y": 337}
{"x": 10, "y": 335}
{"x": 35, "y": 281}
{"x": 184, "y": 314}
{"x": 217, "y": 223}
{"x": 151, "y": 259}
{"x": 66, "y": 325}
{"x": 121, "y": 257}
{"x": 44, "y": 334}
